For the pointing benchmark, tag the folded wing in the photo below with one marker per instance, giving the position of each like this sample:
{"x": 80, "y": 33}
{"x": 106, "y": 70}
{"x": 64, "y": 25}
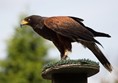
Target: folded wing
{"x": 68, "y": 27}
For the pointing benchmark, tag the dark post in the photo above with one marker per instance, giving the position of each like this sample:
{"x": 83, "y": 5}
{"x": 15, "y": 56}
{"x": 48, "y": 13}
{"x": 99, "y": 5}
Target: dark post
{"x": 70, "y": 71}
{"x": 69, "y": 78}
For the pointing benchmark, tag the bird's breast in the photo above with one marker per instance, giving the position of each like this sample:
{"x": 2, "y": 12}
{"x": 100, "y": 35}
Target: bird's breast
{"x": 46, "y": 33}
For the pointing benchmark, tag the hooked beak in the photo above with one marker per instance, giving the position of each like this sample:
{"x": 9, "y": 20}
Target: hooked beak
{"x": 23, "y": 22}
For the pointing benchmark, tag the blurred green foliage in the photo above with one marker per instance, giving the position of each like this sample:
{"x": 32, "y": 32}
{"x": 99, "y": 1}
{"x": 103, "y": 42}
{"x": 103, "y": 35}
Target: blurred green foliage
{"x": 26, "y": 53}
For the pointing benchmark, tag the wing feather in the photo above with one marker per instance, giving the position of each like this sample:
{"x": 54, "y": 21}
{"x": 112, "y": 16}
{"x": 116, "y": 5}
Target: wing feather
{"x": 68, "y": 27}
{"x": 95, "y": 33}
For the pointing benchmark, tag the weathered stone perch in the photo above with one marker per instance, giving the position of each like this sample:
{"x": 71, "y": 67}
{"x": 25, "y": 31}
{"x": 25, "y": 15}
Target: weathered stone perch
{"x": 70, "y": 71}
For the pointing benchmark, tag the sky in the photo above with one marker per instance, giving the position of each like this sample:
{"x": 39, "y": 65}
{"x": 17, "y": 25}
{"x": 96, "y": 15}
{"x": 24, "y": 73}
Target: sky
{"x": 100, "y": 15}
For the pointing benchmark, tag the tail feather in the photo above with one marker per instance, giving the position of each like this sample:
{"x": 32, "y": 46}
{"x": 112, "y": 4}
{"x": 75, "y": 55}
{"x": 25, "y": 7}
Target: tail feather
{"x": 100, "y": 56}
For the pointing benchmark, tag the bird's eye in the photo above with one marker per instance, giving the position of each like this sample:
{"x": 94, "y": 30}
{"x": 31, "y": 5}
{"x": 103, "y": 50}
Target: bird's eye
{"x": 29, "y": 19}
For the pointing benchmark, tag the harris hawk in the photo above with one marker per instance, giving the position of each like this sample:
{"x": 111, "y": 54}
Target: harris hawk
{"x": 64, "y": 30}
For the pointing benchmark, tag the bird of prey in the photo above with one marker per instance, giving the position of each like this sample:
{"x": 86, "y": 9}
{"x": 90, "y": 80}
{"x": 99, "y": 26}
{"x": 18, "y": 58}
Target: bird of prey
{"x": 64, "y": 30}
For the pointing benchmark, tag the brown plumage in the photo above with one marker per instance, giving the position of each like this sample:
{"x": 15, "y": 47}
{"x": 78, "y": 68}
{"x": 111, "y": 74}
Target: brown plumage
{"x": 63, "y": 30}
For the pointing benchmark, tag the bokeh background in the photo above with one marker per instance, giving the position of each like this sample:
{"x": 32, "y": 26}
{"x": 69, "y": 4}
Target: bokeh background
{"x": 100, "y": 15}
